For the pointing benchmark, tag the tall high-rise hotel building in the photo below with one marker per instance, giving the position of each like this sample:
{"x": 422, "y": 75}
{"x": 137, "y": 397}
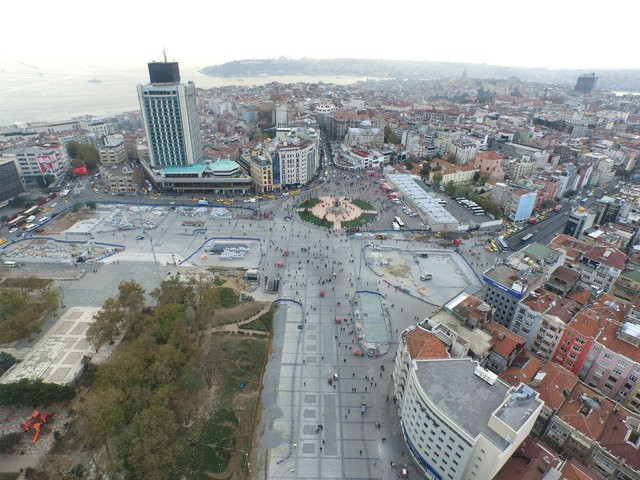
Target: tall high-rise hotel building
{"x": 170, "y": 117}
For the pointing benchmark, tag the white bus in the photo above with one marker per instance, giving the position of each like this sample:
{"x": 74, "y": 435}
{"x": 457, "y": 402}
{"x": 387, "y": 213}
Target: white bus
{"x": 399, "y": 221}
{"x": 527, "y": 237}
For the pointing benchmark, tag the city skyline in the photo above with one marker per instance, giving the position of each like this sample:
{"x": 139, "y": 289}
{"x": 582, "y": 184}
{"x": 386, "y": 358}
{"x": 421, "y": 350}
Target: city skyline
{"x": 549, "y": 34}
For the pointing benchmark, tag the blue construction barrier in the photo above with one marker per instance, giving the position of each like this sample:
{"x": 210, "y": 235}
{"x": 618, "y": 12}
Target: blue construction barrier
{"x": 289, "y": 300}
{"x": 470, "y": 266}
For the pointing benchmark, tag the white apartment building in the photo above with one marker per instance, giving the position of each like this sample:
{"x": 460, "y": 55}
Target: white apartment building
{"x": 113, "y": 151}
{"x": 600, "y": 267}
{"x": 464, "y": 150}
{"x": 359, "y": 158}
{"x": 36, "y": 162}
{"x": 461, "y": 422}
{"x": 298, "y": 161}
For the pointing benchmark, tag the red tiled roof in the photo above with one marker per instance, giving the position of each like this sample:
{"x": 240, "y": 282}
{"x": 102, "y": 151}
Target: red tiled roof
{"x": 612, "y": 257}
{"x": 423, "y": 344}
{"x": 587, "y": 323}
{"x": 505, "y": 342}
{"x": 613, "y": 438}
{"x": 489, "y": 155}
{"x": 610, "y": 307}
{"x": 566, "y": 274}
{"x": 574, "y": 470}
{"x": 573, "y": 410}
{"x": 565, "y": 309}
{"x": 580, "y": 295}
{"x": 539, "y": 300}
{"x": 608, "y": 337}
{"x": 554, "y": 380}
{"x": 516, "y": 375}
{"x": 531, "y": 461}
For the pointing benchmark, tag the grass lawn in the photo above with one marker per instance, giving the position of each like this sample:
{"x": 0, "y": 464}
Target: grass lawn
{"x": 312, "y": 202}
{"x": 9, "y": 475}
{"x": 263, "y": 323}
{"x": 311, "y": 218}
{"x": 219, "y": 443}
{"x": 227, "y": 297}
{"x": 358, "y": 222}
{"x": 29, "y": 283}
{"x": 362, "y": 204}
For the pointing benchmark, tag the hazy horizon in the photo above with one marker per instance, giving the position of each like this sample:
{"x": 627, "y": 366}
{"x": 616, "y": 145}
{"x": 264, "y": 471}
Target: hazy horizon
{"x": 547, "y": 34}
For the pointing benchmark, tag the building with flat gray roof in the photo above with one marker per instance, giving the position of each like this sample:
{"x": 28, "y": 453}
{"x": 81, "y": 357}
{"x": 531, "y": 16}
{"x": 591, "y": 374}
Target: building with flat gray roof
{"x": 461, "y": 422}
{"x": 426, "y": 205}
{"x": 504, "y": 287}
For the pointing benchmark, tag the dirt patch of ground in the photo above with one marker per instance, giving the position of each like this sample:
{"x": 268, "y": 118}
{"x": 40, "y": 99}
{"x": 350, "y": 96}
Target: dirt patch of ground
{"x": 67, "y": 220}
{"x": 399, "y": 270}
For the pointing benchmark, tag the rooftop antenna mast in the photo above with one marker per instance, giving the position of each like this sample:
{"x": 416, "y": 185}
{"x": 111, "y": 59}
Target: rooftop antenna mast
{"x": 164, "y": 52}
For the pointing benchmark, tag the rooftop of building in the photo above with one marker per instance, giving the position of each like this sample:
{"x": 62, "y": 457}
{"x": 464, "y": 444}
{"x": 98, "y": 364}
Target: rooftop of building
{"x": 609, "y": 256}
{"x": 532, "y": 461}
{"x": 554, "y": 384}
{"x": 564, "y": 309}
{"x": 465, "y": 305}
{"x": 587, "y": 323}
{"x": 581, "y": 295}
{"x": 512, "y": 278}
{"x": 574, "y": 470}
{"x": 540, "y": 300}
{"x": 571, "y": 245}
{"x": 421, "y": 199}
{"x": 505, "y": 342}
{"x": 586, "y": 410}
{"x": 197, "y": 168}
{"x": 423, "y": 344}
{"x": 539, "y": 252}
{"x": 469, "y": 401}
{"x": 615, "y": 437}
{"x": 566, "y": 274}
{"x": 610, "y": 307}
{"x": 488, "y": 155}
{"x": 522, "y": 370}
{"x": 632, "y": 273}
{"x": 611, "y": 336}
{"x": 479, "y": 340}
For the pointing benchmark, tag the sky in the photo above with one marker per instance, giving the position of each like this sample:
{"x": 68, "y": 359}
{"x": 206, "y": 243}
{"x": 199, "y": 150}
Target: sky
{"x": 571, "y": 34}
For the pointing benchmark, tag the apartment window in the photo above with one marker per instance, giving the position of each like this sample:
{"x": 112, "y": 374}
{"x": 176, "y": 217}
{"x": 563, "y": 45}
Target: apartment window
{"x": 608, "y": 356}
{"x": 622, "y": 363}
{"x": 608, "y": 386}
{"x": 617, "y": 371}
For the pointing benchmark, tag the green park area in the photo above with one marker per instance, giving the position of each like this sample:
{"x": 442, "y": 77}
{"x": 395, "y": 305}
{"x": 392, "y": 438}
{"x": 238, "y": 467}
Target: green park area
{"x": 179, "y": 395}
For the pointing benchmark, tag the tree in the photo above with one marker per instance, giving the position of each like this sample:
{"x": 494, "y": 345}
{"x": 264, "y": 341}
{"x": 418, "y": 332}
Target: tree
{"x": 83, "y": 153}
{"x": 450, "y": 187}
{"x": 483, "y": 180}
{"x": 476, "y": 176}
{"x": 9, "y": 441}
{"x": 451, "y": 158}
{"x": 106, "y": 325}
{"x": 390, "y": 136}
{"x": 408, "y": 165}
{"x": 425, "y": 171}
{"x": 437, "y": 178}
{"x": 152, "y": 448}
